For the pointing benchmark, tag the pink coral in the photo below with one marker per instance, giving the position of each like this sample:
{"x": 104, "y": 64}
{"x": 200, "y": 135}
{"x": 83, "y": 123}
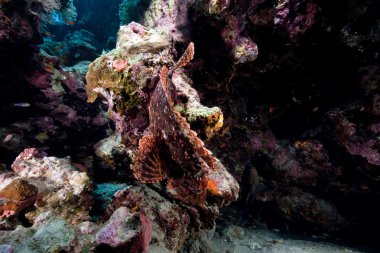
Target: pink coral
{"x": 366, "y": 150}
{"x": 120, "y": 123}
{"x": 70, "y": 81}
{"x": 30, "y": 153}
{"x": 119, "y": 230}
{"x": 375, "y": 128}
{"x": 263, "y": 140}
{"x": 41, "y": 80}
{"x": 142, "y": 244}
{"x": 119, "y": 65}
{"x": 137, "y": 28}
{"x": 169, "y": 220}
{"x": 289, "y": 14}
{"x": 243, "y": 48}
{"x": 146, "y": 231}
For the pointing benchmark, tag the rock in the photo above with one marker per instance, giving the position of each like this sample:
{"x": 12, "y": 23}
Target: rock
{"x": 103, "y": 193}
{"x": 169, "y": 221}
{"x": 4, "y": 248}
{"x": 312, "y": 211}
{"x": 63, "y": 189}
{"x": 53, "y": 236}
{"x": 16, "y": 196}
{"x": 18, "y": 190}
{"x": 119, "y": 230}
{"x": 233, "y": 233}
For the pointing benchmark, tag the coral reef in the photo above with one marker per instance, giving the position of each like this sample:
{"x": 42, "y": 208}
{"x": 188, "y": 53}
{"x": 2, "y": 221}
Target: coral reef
{"x": 300, "y": 103}
{"x": 55, "y": 197}
{"x": 204, "y": 120}
{"x": 76, "y": 47}
{"x": 43, "y": 104}
{"x": 271, "y": 105}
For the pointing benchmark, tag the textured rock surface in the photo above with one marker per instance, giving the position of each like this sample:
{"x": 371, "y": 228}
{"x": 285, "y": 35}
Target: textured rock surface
{"x": 63, "y": 190}
{"x": 170, "y": 222}
{"x": 55, "y": 235}
{"x": 119, "y": 229}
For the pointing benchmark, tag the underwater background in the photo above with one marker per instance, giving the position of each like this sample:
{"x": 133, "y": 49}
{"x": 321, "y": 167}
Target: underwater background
{"x": 189, "y": 126}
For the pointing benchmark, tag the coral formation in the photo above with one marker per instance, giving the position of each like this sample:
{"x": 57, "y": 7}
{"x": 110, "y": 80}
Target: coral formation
{"x": 168, "y": 151}
{"x": 62, "y": 188}
{"x": 291, "y": 15}
{"x": 76, "y": 47}
{"x": 169, "y": 221}
{"x": 43, "y": 104}
{"x": 119, "y": 229}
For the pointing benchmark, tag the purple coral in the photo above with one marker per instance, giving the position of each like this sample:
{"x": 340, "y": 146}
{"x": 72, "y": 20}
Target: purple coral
{"x": 296, "y": 16}
{"x": 366, "y": 150}
{"x": 119, "y": 230}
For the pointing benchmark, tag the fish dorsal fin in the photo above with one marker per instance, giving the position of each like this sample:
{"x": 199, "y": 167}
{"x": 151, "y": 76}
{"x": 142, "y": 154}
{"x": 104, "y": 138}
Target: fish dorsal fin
{"x": 187, "y": 56}
{"x": 165, "y": 82}
{"x": 164, "y": 75}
